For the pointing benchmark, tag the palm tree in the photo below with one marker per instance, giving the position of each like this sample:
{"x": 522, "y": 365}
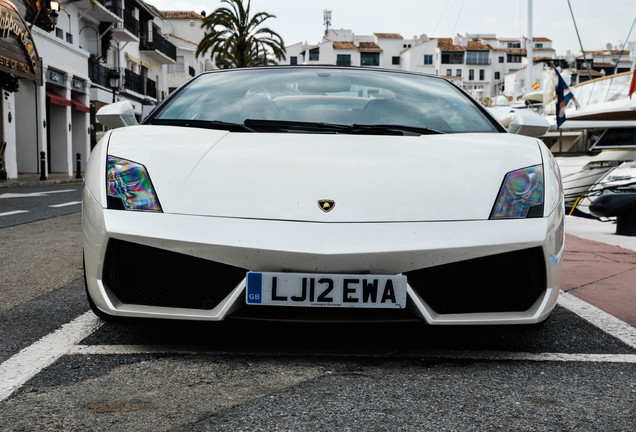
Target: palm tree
{"x": 237, "y": 39}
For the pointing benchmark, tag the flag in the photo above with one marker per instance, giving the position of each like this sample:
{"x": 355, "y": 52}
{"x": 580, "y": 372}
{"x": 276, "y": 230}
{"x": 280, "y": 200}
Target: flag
{"x": 535, "y": 86}
{"x": 564, "y": 95}
{"x": 632, "y": 86}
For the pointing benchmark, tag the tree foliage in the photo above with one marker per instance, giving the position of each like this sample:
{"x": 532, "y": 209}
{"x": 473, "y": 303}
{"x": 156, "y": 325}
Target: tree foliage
{"x": 234, "y": 38}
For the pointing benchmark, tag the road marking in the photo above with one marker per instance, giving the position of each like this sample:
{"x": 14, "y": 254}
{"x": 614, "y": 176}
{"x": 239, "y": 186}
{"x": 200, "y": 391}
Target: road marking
{"x": 14, "y": 212}
{"x": 66, "y": 204}
{"x": 599, "y": 318}
{"x": 18, "y": 369}
{"x": 447, "y": 354}
{"x": 33, "y": 194}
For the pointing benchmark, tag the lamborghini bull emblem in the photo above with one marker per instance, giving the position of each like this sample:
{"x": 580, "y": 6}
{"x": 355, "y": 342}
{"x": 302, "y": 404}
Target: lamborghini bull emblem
{"x": 326, "y": 205}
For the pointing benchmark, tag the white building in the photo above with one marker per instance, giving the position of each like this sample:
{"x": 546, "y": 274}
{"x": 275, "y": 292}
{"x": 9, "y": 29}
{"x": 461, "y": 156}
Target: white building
{"x": 476, "y": 62}
{"x": 53, "y": 118}
{"x": 183, "y": 29}
{"x": 90, "y": 56}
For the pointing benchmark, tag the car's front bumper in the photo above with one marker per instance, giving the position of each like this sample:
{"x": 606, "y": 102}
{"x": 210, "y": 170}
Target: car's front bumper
{"x": 376, "y": 248}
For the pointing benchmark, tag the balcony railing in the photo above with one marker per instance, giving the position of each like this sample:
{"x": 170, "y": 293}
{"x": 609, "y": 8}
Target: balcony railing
{"x": 98, "y": 73}
{"x": 139, "y": 84}
{"x": 151, "y": 88}
{"x": 477, "y": 61}
{"x": 159, "y": 43}
{"x": 130, "y": 23}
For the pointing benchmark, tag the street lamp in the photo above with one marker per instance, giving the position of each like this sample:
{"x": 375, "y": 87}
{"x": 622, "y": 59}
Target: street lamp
{"x": 114, "y": 80}
{"x": 54, "y": 6}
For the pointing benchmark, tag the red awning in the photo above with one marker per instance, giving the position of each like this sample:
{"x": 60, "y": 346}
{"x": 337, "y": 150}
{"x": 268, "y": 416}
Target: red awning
{"x": 57, "y": 99}
{"x": 79, "y": 105}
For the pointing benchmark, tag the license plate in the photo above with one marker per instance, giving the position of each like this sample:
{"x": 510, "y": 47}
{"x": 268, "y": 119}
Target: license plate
{"x": 327, "y": 290}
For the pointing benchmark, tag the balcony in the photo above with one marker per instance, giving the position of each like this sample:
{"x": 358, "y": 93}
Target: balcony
{"x": 470, "y": 61}
{"x": 126, "y": 30}
{"x": 101, "y": 11}
{"x": 98, "y": 73}
{"x": 158, "y": 48}
{"x": 139, "y": 84}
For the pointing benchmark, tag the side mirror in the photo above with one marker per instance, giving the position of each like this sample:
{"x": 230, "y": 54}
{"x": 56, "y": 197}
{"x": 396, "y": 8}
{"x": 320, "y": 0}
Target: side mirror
{"x": 116, "y": 115}
{"x": 521, "y": 122}
{"x": 528, "y": 123}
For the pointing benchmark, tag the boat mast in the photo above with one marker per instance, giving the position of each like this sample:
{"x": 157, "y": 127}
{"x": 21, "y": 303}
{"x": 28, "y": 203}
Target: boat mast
{"x": 623, "y": 49}
{"x": 589, "y": 70}
{"x": 529, "y": 48}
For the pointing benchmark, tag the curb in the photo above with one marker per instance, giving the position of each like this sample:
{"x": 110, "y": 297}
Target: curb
{"x": 7, "y": 184}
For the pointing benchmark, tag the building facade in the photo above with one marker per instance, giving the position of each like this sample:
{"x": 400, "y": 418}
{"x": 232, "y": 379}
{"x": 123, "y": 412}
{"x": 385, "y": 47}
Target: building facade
{"x": 476, "y": 62}
{"x": 91, "y": 54}
{"x": 184, "y": 31}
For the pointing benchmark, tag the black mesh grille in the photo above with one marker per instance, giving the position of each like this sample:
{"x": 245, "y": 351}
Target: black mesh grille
{"x": 144, "y": 275}
{"x": 509, "y": 282}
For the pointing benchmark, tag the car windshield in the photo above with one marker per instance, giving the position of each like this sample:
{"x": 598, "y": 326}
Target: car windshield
{"x": 323, "y": 100}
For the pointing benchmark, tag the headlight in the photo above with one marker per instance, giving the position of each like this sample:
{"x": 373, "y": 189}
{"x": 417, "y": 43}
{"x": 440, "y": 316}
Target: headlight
{"x": 521, "y": 195}
{"x": 128, "y": 186}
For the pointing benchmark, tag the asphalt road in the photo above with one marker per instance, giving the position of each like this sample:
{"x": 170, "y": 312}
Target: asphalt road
{"x": 23, "y": 205}
{"x": 151, "y": 376}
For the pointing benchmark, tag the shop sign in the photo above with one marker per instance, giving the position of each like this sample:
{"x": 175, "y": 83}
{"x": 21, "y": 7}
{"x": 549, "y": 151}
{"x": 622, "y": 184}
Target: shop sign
{"x": 78, "y": 85}
{"x": 56, "y": 78}
{"x": 18, "y": 55}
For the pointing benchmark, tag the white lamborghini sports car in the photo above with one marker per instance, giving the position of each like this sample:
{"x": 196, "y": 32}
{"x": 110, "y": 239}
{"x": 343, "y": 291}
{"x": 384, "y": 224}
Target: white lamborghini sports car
{"x": 321, "y": 194}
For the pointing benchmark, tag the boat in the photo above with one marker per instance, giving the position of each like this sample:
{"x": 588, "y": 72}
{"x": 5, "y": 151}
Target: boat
{"x": 603, "y": 116}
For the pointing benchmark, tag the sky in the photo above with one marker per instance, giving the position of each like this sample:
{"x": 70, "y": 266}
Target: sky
{"x": 599, "y": 22}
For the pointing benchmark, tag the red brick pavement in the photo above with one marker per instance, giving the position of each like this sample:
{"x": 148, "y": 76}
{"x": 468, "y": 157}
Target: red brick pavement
{"x": 602, "y": 275}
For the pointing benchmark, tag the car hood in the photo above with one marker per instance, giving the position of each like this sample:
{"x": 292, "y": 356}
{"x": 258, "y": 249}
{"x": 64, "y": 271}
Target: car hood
{"x": 283, "y": 176}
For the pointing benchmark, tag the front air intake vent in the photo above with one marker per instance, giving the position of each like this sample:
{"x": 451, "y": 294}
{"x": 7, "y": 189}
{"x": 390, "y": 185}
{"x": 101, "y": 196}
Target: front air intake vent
{"x": 508, "y": 282}
{"x": 144, "y": 275}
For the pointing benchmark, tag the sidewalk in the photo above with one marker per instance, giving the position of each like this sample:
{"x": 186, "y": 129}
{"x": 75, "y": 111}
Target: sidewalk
{"x": 599, "y": 267}
{"x": 33, "y": 180}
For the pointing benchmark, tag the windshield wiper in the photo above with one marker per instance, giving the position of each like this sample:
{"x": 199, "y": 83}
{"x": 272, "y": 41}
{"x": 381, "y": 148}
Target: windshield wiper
{"x": 205, "y": 124}
{"x": 355, "y": 129}
{"x": 389, "y": 128}
{"x": 287, "y": 126}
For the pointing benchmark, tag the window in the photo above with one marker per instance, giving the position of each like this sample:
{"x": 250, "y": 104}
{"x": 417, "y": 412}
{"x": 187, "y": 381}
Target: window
{"x": 497, "y": 75}
{"x": 514, "y": 44}
{"x": 459, "y": 72}
{"x": 192, "y": 24}
{"x": 69, "y": 38}
{"x": 477, "y": 57}
{"x": 314, "y": 54}
{"x": 453, "y": 58}
{"x": 449, "y": 72}
{"x": 343, "y": 60}
{"x": 471, "y": 74}
{"x": 514, "y": 58}
{"x": 180, "y": 67}
{"x": 395, "y": 60}
{"x": 428, "y": 59}
{"x": 482, "y": 74}
{"x": 539, "y": 45}
{"x": 501, "y": 59}
{"x": 293, "y": 60}
{"x": 59, "y": 33}
{"x": 369, "y": 59}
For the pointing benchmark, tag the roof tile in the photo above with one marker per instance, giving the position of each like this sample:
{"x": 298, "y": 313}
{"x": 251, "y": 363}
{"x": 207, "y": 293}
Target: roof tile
{"x": 182, "y": 15}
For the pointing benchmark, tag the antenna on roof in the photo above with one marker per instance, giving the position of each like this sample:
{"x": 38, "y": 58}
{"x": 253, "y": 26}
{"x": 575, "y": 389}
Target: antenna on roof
{"x": 326, "y": 19}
